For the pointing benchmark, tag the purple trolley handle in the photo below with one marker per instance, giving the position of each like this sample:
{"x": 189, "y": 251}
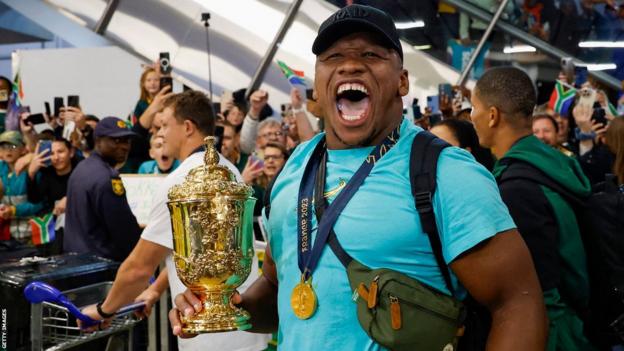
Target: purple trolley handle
{"x": 37, "y": 292}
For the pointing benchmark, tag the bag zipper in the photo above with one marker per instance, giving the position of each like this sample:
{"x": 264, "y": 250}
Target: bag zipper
{"x": 395, "y": 313}
{"x": 372, "y": 293}
{"x": 423, "y": 309}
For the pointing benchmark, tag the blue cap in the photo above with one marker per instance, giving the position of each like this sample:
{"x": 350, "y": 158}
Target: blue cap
{"x": 112, "y": 127}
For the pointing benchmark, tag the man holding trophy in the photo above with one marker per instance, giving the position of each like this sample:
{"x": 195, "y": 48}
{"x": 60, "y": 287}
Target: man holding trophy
{"x": 359, "y": 82}
{"x": 187, "y": 121}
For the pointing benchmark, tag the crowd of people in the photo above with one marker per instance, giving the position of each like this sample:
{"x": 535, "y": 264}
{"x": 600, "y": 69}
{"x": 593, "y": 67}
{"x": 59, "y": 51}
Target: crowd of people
{"x": 516, "y": 245}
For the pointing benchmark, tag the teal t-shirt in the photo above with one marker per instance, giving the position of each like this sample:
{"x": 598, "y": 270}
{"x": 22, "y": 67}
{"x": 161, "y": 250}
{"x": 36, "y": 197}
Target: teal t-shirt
{"x": 151, "y": 167}
{"x": 380, "y": 228}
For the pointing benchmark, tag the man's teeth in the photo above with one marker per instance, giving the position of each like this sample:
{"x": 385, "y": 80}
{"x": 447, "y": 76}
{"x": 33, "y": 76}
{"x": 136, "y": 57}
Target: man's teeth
{"x": 351, "y": 118}
{"x": 352, "y": 86}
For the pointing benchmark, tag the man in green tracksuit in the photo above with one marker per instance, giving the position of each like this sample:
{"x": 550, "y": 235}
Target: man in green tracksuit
{"x": 503, "y": 103}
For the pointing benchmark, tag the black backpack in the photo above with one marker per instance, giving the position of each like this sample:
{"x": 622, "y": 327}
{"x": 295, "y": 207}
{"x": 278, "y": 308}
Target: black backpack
{"x": 601, "y": 223}
{"x": 423, "y": 184}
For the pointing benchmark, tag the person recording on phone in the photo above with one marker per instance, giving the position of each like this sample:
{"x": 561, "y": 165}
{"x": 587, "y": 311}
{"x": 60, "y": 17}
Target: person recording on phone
{"x": 150, "y": 103}
{"x": 48, "y": 175}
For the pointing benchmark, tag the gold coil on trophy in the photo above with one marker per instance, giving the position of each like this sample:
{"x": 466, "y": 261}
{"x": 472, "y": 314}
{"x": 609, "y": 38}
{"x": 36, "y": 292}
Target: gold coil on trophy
{"x": 212, "y": 222}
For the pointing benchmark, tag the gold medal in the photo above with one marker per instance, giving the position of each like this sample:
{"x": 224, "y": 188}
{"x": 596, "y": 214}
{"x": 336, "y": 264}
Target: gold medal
{"x": 303, "y": 299}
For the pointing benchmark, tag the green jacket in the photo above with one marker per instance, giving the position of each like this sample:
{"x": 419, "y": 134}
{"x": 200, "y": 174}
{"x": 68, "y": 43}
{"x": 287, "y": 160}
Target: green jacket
{"x": 537, "y": 210}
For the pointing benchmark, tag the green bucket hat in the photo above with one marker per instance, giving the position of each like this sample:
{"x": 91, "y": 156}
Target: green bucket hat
{"x": 12, "y": 137}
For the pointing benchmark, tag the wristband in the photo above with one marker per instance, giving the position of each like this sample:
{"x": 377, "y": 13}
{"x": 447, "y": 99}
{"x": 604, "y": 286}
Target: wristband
{"x": 297, "y": 110}
{"x": 102, "y": 313}
{"x": 581, "y": 136}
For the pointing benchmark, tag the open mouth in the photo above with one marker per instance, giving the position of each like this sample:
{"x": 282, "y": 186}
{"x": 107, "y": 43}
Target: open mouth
{"x": 164, "y": 158}
{"x": 352, "y": 101}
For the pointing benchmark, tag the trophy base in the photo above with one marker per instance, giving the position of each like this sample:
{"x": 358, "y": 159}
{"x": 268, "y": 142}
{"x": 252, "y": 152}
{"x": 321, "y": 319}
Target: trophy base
{"x": 217, "y": 315}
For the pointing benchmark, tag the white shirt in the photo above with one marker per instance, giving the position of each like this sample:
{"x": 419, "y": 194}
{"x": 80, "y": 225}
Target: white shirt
{"x": 158, "y": 231}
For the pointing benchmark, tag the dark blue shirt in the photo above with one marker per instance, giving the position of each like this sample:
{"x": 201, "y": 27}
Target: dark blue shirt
{"x": 98, "y": 218}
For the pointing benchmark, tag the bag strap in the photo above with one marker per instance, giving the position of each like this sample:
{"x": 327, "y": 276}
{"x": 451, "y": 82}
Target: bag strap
{"x": 426, "y": 148}
{"x": 518, "y": 169}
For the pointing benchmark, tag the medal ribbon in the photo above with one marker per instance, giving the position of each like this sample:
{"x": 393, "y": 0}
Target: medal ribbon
{"x": 307, "y": 256}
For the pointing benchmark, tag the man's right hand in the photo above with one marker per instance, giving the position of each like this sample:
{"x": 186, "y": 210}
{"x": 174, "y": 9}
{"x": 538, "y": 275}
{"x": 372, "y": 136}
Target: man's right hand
{"x": 189, "y": 304}
{"x": 258, "y": 100}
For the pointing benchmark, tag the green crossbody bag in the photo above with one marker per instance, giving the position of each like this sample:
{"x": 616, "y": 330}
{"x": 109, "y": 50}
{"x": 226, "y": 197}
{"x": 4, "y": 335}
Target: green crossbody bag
{"x": 397, "y": 311}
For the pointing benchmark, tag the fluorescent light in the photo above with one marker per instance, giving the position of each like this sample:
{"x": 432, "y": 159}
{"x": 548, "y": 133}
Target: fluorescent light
{"x": 408, "y": 25}
{"x": 518, "y": 49}
{"x": 601, "y": 44}
{"x": 600, "y": 66}
{"x": 422, "y": 47}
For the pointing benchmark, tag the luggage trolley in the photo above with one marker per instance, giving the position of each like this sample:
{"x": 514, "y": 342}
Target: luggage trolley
{"x": 53, "y": 316}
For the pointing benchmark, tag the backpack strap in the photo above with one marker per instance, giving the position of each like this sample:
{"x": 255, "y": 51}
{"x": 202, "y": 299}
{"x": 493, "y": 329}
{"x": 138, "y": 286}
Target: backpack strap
{"x": 518, "y": 169}
{"x": 423, "y": 168}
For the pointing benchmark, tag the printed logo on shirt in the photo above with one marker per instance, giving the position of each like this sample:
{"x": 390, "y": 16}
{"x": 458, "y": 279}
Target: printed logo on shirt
{"x": 118, "y": 187}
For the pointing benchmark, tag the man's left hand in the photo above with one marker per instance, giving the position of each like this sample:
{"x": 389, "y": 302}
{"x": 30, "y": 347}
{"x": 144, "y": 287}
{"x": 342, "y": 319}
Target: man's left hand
{"x": 150, "y": 297}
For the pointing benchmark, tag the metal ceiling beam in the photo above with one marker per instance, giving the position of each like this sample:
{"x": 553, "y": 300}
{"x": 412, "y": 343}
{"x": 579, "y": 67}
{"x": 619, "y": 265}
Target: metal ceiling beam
{"x": 270, "y": 53}
{"x": 484, "y": 38}
{"x": 108, "y": 13}
{"x": 53, "y": 21}
{"x": 482, "y": 15}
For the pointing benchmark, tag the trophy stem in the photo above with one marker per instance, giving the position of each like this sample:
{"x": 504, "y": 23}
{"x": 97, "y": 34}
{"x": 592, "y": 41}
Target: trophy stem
{"x": 217, "y": 315}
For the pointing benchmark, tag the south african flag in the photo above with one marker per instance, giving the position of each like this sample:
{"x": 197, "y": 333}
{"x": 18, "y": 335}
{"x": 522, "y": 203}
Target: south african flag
{"x": 562, "y": 98}
{"x": 294, "y": 77}
{"x": 43, "y": 229}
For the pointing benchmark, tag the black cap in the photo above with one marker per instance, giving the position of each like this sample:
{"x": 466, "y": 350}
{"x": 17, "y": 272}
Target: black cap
{"x": 353, "y": 19}
{"x": 112, "y": 127}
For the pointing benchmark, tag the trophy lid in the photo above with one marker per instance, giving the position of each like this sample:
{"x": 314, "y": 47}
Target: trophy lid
{"x": 209, "y": 179}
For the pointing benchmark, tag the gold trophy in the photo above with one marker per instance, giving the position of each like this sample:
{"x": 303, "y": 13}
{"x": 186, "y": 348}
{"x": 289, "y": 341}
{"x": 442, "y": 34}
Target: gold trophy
{"x": 212, "y": 221}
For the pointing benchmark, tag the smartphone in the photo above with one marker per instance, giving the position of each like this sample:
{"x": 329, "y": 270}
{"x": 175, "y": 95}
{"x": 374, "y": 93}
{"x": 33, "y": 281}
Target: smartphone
{"x": 310, "y": 94}
{"x": 219, "y": 137}
{"x": 255, "y": 158}
{"x": 47, "y": 109}
{"x": 35, "y": 118}
{"x": 58, "y": 103}
{"x": 45, "y": 145}
{"x": 599, "y": 116}
{"x": 416, "y": 109}
{"x": 587, "y": 97}
{"x": 216, "y": 107}
{"x": 227, "y": 96}
{"x": 164, "y": 81}
{"x": 580, "y": 75}
{"x": 165, "y": 64}
{"x": 445, "y": 89}
{"x": 73, "y": 101}
{"x": 68, "y": 129}
{"x": 433, "y": 102}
